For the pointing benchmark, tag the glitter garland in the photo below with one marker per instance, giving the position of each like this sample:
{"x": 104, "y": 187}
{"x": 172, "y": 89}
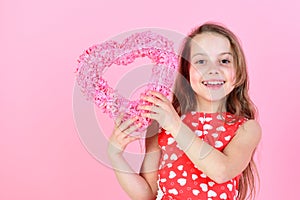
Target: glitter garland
{"x": 93, "y": 62}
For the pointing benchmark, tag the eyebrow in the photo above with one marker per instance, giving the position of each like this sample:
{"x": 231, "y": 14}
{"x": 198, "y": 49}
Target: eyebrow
{"x": 203, "y": 54}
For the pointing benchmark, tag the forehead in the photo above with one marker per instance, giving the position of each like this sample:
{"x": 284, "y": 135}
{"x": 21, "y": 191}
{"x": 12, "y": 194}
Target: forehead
{"x": 210, "y": 43}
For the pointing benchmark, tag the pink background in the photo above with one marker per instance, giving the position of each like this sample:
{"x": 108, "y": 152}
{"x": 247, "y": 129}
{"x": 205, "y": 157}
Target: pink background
{"x": 41, "y": 154}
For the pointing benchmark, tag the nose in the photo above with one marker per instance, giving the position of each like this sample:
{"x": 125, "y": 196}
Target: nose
{"x": 213, "y": 69}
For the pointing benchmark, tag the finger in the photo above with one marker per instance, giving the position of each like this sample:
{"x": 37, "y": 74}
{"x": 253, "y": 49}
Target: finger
{"x": 154, "y": 109}
{"x": 127, "y": 133}
{"x": 132, "y": 128}
{"x": 152, "y": 100}
{"x": 150, "y": 115}
{"x": 130, "y": 139}
{"x": 123, "y": 126}
{"x": 158, "y": 95}
{"x": 119, "y": 120}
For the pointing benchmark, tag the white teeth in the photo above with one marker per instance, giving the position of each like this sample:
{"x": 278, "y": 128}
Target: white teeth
{"x": 213, "y": 82}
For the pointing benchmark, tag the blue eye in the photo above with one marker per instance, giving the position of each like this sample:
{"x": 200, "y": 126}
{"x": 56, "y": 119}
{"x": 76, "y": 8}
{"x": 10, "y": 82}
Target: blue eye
{"x": 201, "y": 62}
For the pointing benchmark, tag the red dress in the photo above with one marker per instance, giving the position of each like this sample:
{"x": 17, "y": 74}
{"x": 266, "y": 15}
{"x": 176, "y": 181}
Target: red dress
{"x": 178, "y": 177}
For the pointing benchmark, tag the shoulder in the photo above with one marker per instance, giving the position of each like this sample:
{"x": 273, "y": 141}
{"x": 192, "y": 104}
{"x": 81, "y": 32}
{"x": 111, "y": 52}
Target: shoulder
{"x": 245, "y": 141}
{"x": 250, "y": 130}
{"x": 251, "y": 126}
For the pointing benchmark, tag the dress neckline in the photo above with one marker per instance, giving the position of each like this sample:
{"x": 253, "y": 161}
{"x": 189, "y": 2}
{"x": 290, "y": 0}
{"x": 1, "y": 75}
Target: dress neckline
{"x": 208, "y": 114}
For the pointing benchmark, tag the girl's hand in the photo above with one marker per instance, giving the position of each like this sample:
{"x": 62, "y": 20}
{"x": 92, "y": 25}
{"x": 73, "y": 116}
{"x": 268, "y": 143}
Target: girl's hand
{"x": 162, "y": 111}
{"x": 121, "y": 135}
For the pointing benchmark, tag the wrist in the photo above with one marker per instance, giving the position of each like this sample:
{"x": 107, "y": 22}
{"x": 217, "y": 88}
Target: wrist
{"x": 184, "y": 136}
{"x": 176, "y": 127}
{"x": 114, "y": 152}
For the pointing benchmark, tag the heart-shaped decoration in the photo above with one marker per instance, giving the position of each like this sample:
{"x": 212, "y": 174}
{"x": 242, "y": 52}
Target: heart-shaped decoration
{"x": 180, "y": 167}
{"x": 170, "y": 140}
{"x": 203, "y": 175}
{"x": 215, "y": 135}
{"x": 195, "y": 192}
{"x": 198, "y": 132}
{"x": 169, "y": 165}
{"x": 95, "y": 60}
{"x": 211, "y": 193}
{"x": 229, "y": 186}
{"x": 166, "y": 157}
{"x": 195, "y": 124}
{"x": 210, "y": 183}
{"x": 221, "y": 128}
{"x": 181, "y": 181}
{"x": 194, "y": 176}
{"x": 223, "y": 196}
{"x": 218, "y": 144}
{"x": 207, "y": 127}
{"x": 163, "y": 180}
{"x": 227, "y": 138}
{"x": 172, "y": 174}
{"x": 173, "y": 157}
{"x": 173, "y": 191}
{"x": 204, "y": 187}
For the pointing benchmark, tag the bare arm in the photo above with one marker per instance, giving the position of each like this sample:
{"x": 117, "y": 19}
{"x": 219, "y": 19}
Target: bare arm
{"x": 137, "y": 186}
{"x": 219, "y": 166}
{"x": 149, "y": 169}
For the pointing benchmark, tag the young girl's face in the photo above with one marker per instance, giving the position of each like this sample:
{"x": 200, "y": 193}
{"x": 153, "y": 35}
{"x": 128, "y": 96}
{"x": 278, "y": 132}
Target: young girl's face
{"x": 212, "y": 72}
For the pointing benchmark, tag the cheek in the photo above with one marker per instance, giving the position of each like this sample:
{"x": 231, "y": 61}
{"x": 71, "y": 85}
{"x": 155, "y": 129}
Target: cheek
{"x": 231, "y": 76}
{"x": 195, "y": 75}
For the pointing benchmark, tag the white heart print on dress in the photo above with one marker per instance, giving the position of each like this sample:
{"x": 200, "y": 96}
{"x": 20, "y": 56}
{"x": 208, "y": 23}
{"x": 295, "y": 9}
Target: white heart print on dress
{"x": 173, "y": 191}
{"x": 166, "y": 157}
{"x": 204, "y": 187}
{"x": 169, "y": 165}
{"x": 203, "y": 175}
{"x": 172, "y": 174}
{"x": 221, "y": 128}
{"x": 210, "y": 183}
{"x": 207, "y": 127}
{"x": 195, "y": 192}
{"x": 211, "y": 193}
{"x": 170, "y": 140}
{"x": 173, "y": 157}
{"x": 218, "y": 144}
{"x": 202, "y": 119}
{"x": 181, "y": 181}
{"x": 195, "y": 124}
{"x": 215, "y": 135}
{"x": 180, "y": 167}
{"x": 227, "y": 138}
{"x": 163, "y": 180}
{"x": 198, "y": 132}
{"x": 223, "y": 196}
{"x": 194, "y": 176}
{"x": 229, "y": 186}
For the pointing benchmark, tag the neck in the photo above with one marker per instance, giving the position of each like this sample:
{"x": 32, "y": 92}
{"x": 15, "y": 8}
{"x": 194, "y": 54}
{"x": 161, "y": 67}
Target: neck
{"x": 211, "y": 107}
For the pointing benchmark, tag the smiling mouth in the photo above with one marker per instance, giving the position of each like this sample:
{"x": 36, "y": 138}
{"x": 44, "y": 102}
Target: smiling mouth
{"x": 213, "y": 83}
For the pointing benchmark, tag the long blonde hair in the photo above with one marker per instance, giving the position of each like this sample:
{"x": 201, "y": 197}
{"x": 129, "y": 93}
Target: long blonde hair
{"x": 238, "y": 101}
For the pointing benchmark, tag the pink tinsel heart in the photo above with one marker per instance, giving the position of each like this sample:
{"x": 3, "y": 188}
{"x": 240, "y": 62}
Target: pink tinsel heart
{"x": 93, "y": 62}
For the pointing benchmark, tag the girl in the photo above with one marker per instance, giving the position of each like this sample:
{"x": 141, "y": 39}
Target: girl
{"x": 208, "y": 133}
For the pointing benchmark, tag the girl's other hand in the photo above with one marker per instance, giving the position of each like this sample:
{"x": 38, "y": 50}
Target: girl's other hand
{"x": 121, "y": 135}
{"x": 161, "y": 110}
